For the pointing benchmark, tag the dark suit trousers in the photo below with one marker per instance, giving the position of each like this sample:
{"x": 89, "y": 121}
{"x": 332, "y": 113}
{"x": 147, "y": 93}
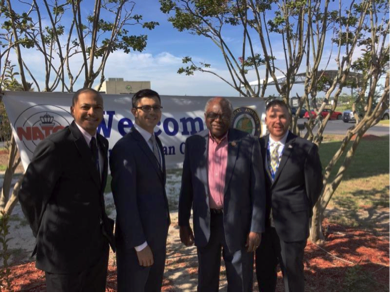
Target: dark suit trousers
{"x": 289, "y": 255}
{"x": 92, "y": 279}
{"x": 134, "y": 278}
{"x": 239, "y": 264}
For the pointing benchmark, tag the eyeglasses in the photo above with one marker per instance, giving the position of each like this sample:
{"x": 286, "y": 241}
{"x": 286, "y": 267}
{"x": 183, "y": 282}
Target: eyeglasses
{"x": 213, "y": 116}
{"x": 148, "y": 108}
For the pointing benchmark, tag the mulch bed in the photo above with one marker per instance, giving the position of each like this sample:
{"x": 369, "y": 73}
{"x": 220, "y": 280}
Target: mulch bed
{"x": 349, "y": 260}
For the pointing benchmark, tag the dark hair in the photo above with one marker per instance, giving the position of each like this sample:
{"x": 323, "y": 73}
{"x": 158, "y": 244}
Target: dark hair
{"x": 145, "y": 93}
{"x": 275, "y": 102}
{"x": 76, "y": 95}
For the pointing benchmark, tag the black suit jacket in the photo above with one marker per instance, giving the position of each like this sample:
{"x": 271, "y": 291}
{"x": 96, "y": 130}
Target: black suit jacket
{"x": 62, "y": 198}
{"x": 244, "y": 193}
{"x": 296, "y": 188}
{"x": 138, "y": 186}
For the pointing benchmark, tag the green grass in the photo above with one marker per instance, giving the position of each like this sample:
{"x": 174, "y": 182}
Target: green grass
{"x": 342, "y": 108}
{"x": 362, "y": 198}
{"x": 3, "y": 167}
{"x": 384, "y": 122}
{"x": 371, "y": 158}
{"x": 359, "y": 280}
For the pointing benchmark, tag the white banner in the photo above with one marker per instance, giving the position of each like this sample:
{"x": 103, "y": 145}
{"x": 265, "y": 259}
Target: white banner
{"x": 34, "y": 116}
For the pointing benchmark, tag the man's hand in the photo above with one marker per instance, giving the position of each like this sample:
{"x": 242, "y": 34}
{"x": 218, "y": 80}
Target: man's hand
{"x": 253, "y": 241}
{"x": 186, "y": 235}
{"x": 145, "y": 257}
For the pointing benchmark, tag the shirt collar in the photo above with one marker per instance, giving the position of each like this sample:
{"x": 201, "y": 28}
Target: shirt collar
{"x": 145, "y": 134}
{"x": 225, "y": 137}
{"x": 282, "y": 141}
{"x": 86, "y": 135}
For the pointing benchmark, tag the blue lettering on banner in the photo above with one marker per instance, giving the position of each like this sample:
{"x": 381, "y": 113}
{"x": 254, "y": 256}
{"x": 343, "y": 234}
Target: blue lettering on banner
{"x": 169, "y": 151}
{"x": 175, "y": 126}
{"x": 182, "y": 147}
{"x": 106, "y": 128}
{"x": 123, "y": 124}
{"x": 170, "y": 126}
{"x": 184, "y": 121}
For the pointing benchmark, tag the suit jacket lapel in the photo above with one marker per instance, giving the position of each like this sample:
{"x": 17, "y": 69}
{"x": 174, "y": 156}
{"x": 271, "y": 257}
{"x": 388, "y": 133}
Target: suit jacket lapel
{"x": 266, "y": 157}
{"x": 163, "y": 169}
{"x": 85, "y": 152}
{"x": 287, "y": 150}
{"x": 233, "y": 149}
{"x": 204, "y": 172}
{"x": 147, "y": 151}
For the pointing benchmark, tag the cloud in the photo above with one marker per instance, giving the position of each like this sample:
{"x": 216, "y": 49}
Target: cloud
{"x": 161, "y": 70}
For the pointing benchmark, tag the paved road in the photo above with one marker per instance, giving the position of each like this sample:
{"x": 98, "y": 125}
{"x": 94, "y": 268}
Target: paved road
{"x": 340, "y": 127}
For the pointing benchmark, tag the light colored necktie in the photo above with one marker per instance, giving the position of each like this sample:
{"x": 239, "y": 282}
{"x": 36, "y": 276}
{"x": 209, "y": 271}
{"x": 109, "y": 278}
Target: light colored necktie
{"x": 156, "y": 153}
{"x": 275, "y": 160}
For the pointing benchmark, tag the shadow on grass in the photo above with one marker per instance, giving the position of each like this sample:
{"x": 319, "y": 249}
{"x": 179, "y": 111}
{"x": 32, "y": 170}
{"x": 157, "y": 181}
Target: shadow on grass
{"x": 366, "y": 209}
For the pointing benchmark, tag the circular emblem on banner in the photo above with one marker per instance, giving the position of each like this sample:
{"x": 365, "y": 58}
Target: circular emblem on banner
{"x": 38, "y": 122}
{"x": 246, "y": 119}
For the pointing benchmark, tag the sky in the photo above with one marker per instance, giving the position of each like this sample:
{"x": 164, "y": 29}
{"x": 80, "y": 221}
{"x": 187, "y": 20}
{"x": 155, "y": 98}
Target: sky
{"x": 161, "y": 59}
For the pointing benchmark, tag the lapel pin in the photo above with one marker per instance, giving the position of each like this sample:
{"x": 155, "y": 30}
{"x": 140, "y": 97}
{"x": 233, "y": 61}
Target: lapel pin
{"x": 233, "y": 143}
{"x": 290, "y": 146}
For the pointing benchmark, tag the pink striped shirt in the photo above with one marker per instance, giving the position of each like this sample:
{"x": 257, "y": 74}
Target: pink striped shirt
{"x": 217, "y": 163}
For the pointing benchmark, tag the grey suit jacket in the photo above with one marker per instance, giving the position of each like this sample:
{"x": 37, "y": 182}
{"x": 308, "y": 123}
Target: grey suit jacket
{"x": 138, "y": 186}
{"x": 244, "y": 194}
{"x": 296, "y": 188}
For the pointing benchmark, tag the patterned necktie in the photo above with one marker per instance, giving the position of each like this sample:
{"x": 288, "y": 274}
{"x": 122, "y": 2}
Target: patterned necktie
{"x": 275, "y": 160}
{"x": 95, "y": 152}
{"x": 153, "y": 141}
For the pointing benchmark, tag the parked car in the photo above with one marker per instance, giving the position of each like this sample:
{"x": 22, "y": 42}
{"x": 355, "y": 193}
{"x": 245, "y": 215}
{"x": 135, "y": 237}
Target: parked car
{"x": 335, "y": 115}
{"x": 301, "y": 113}
{"x": 385, "y": 115}
{"x": 349, "y": 117}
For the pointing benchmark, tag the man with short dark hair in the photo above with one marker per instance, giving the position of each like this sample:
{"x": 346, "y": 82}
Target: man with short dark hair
{"x": 294, "y": 183}
{"x": 223, "y": 183}
{"x": 62, "y": 198}
{"x": 138, "y": 184}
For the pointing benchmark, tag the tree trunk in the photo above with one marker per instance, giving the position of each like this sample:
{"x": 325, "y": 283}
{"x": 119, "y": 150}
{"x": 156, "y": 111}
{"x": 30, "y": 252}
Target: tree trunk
{"x": 7, "y": 181}
{"x": 316, "y": 235}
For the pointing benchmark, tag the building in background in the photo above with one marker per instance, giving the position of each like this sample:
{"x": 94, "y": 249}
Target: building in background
{"x": 120, "y": 86}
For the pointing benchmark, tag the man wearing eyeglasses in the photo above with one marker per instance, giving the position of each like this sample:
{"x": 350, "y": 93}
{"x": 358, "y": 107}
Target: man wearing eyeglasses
{"x": 138, "y": 185}
{"x": 223, "y": 182}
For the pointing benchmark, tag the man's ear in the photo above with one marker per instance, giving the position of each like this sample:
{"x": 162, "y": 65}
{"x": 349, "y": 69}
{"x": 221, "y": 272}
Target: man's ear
{"x": 133, "y": 111}
{"x": 71, "y": 110}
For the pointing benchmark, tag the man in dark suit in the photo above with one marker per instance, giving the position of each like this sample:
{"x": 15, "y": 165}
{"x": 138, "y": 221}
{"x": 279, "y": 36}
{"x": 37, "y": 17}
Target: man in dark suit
{"x": 294, "y": 183}
{"x": 138, "y": 184}
{"x": 224, "y": 184}
{"x": 62, "y": 198}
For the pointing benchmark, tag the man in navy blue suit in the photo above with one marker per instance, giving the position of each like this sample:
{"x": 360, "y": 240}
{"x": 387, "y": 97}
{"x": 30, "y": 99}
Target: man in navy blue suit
{"x": 294, "y": 183}
{"x": 138, "y": 185}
